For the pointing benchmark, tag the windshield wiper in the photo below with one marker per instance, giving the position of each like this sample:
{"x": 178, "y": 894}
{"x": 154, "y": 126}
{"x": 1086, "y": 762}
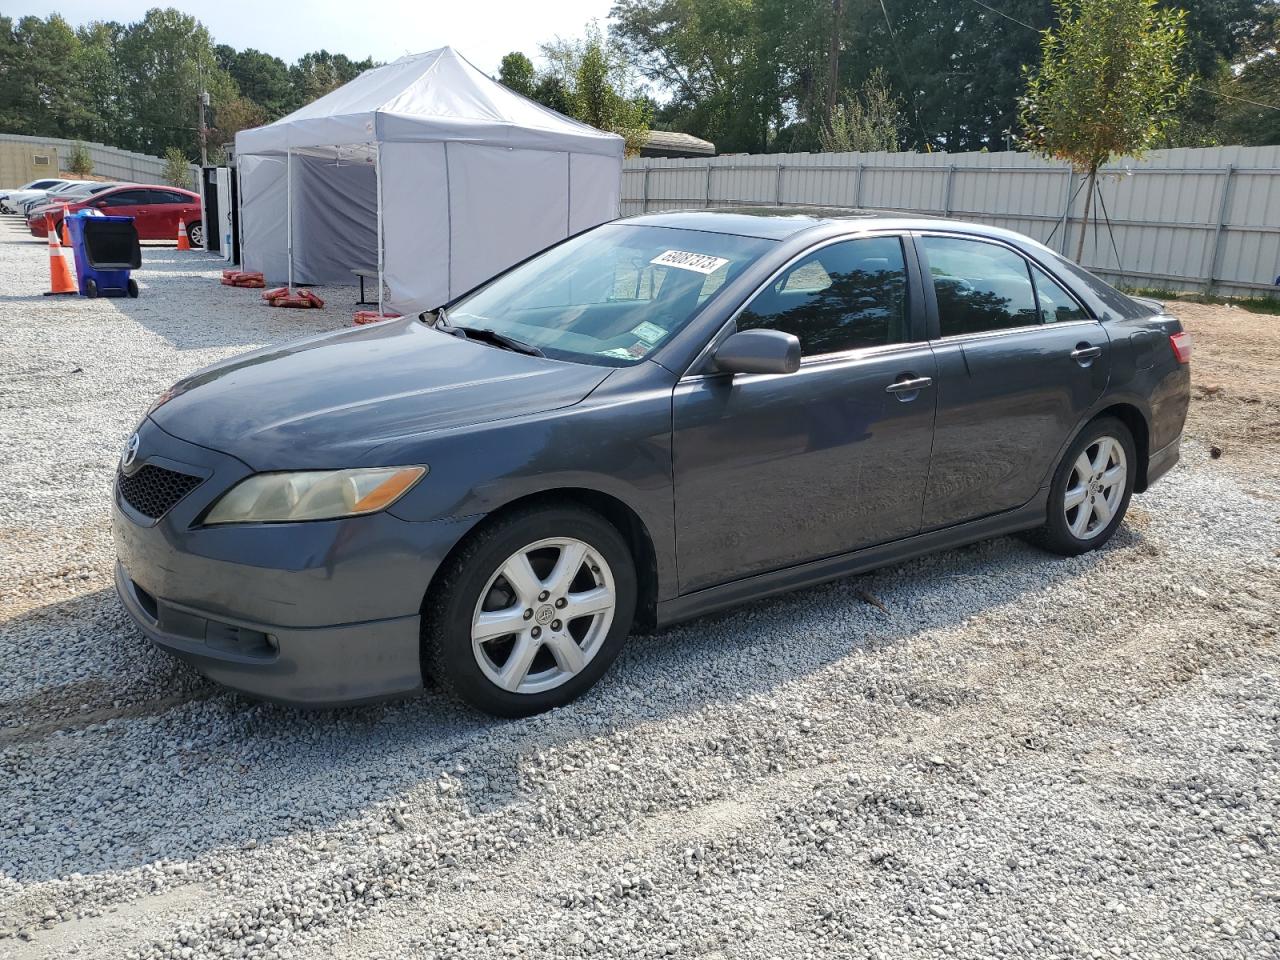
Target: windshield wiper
{"x": 485, "y": 335}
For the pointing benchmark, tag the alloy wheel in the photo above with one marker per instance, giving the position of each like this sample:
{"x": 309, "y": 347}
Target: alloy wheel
{"x": 1095, "y": 487}
{"x": 543, "y": 615}
{"x": 196, "y": 235}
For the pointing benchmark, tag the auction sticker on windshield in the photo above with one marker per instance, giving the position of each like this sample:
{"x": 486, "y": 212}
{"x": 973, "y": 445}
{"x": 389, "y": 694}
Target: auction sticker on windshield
{"x": 682, "y": 259}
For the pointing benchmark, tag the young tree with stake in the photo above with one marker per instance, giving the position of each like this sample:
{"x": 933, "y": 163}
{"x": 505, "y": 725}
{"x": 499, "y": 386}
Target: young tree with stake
{"x": 1108, "y": 85}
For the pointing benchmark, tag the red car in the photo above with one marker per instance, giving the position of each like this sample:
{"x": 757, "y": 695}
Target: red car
{"x": 156, "y": 211}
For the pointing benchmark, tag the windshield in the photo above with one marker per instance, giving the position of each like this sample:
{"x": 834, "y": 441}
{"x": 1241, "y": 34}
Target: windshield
{"x": 610, "y": 296}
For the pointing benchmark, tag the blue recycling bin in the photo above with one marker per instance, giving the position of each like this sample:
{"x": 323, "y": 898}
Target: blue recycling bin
{"x": 106, "y": 251}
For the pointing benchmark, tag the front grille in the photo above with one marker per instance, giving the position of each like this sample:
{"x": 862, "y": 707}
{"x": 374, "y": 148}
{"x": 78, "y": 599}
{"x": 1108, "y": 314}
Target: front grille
{"x": 153, "y": 491}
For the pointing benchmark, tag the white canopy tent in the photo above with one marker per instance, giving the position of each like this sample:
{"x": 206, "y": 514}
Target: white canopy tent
{"x": 426, "y": 168}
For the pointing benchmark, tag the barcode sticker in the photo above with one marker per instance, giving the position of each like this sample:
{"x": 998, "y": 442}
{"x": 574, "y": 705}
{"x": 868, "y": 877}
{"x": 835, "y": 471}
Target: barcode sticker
{"x": 682, "y": 259}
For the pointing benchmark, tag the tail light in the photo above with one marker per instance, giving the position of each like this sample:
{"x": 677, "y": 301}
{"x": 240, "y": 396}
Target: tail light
{"x": 1181, "y": 343}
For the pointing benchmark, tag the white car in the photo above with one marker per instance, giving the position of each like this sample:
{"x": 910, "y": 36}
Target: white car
{"x": 54, "y": 193}
{"x": 11, "y": 200}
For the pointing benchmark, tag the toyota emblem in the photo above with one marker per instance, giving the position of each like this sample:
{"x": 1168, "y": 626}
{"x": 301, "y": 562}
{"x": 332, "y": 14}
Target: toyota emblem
{"x": 130, "y": 452}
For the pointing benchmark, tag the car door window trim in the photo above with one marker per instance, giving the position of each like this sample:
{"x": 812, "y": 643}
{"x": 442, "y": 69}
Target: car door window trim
{"x": 932, "y": 300}
{"x": 695, "y": 369}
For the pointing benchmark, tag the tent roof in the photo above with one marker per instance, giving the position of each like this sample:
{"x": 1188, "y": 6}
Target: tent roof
{"x": 433, "y": 96}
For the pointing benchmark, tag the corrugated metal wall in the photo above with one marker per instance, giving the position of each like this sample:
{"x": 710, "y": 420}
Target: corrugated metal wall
{"x": 108, "y": 162}
{"x": 1182, "y": 219}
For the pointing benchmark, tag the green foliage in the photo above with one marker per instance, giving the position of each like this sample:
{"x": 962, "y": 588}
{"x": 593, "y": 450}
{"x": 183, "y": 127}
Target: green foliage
{"x": 316, "y": 74}
{"x": 867, "y": 120}
{"x": 177, "y": 168}
{"x": 516, "y": 72}
{"x": 81, "y": 162}
{"x": 138, "y": 85}
{"x": 592, "y": 81}
{"x": 1108, "y": 83}
{"x": 719, "y": 60}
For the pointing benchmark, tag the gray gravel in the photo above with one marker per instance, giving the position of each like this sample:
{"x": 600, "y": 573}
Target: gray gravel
{"x": 1023, "y": 757}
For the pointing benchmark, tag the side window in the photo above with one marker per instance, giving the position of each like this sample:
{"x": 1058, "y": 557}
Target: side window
{"x": 980, "y": 286}
{"x": 1056, "y": 305}
{"x": 125, "y": 198}
{"x": 169, "y": 196}
{"x": 846, "y": 296}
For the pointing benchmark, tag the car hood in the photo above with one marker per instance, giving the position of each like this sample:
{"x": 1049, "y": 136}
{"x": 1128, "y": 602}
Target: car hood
{"x": 328, "y": 401}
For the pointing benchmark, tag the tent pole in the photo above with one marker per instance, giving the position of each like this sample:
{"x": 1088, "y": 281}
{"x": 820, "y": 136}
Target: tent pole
{"x": 288, "y": 206}
{"x": 377, "y": 173}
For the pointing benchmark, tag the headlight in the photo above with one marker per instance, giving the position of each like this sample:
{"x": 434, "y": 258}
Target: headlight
{"x": 313, "y": 494}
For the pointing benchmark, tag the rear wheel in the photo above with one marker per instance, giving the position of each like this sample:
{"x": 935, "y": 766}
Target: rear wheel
{"x": 531, "y": 611}
{"x": 195, "y": 233}
{"x": 1091, "y": 489}
{"x": 91, "y": 288}
{"x": 132, "y": 288}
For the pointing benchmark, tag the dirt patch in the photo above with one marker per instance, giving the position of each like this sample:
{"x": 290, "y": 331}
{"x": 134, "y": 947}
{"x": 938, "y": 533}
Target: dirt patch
{"x": 1235, "y": 377}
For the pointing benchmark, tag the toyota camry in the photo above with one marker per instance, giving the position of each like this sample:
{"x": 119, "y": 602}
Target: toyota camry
{"x": 657, "y": 418}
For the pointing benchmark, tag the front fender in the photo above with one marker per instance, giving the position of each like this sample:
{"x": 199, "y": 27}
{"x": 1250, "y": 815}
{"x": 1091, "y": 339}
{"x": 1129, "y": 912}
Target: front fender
{"x": 616, "y": 443}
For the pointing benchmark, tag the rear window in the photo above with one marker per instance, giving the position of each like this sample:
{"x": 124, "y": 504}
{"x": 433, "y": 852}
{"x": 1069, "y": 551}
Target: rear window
{"x": 1117, "y": 303}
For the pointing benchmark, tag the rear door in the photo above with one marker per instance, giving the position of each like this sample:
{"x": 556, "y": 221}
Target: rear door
{"x": 175, "y": 207}
{"x": 1020, "y": 363}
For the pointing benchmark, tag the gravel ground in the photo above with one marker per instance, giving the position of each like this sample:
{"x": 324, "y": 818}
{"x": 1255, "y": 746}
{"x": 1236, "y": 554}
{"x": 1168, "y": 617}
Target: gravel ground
{"x": 986, "y": 753}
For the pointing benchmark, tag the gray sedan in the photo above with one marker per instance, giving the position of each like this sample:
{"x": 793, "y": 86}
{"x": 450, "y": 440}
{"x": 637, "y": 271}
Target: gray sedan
{"x": 657, "y": 418}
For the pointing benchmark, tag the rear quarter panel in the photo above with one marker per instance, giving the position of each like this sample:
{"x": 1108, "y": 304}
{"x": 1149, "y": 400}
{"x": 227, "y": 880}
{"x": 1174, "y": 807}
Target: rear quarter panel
{"x": 1146, "y": 373}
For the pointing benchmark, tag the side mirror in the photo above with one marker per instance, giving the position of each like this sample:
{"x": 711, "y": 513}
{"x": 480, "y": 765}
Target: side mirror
{"x": 758, "y": 351}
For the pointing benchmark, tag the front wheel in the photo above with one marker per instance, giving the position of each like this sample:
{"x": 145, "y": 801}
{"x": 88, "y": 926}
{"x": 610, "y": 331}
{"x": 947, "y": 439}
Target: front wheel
{"x": 1091, "y": 489}
{"x": 531, "y": 611}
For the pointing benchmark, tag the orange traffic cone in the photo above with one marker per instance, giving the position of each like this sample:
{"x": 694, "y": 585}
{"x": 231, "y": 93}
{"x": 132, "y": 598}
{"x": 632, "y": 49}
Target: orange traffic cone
{"x": 184, "y": 242}
{"x": 61, "y": 280}
{"x": 66, "y": 231}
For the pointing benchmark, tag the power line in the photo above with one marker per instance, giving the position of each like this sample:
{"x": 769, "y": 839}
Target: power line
{"x": 1211, "y": 92}
{"x": 897, "y": 51}
{"x": 1228, "y": 96}
{"x": 1001, "y": 13}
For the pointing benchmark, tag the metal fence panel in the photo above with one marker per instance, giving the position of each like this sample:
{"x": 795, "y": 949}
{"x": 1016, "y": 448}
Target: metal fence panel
{"x": 109, "y": 162}
{"x": 1181, "y": 219}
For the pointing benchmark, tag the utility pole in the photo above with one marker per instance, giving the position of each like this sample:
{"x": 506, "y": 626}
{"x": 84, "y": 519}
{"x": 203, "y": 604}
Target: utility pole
{"x": 204, "y": 130}
{"x": 833, "y": 60}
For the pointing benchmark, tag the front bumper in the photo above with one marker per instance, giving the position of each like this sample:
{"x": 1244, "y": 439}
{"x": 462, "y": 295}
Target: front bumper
{"x": 316, "y": 666}
{"x": 317, "y": 613}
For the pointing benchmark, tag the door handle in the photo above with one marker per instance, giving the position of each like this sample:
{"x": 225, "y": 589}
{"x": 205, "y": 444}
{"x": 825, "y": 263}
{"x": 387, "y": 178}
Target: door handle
{"x": 1084, "y": 354}
{"x": 914, "y": 385}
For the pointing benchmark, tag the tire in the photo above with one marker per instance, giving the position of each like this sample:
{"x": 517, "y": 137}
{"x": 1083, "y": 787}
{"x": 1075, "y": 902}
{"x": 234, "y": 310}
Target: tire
{"x": 1071, "y": 530}
{"x": 132, "y": 288}
{"x": 531, "y": 668}
{"x": 91, "y": 288}
{"x": 195, "y": 233}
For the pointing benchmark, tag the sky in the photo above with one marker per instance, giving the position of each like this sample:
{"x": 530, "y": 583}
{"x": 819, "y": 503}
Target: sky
{"x": 383, "y": 29}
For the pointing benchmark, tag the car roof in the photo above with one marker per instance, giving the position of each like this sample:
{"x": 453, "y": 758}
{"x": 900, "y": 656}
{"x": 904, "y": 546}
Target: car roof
{"x": 784, "y": 222}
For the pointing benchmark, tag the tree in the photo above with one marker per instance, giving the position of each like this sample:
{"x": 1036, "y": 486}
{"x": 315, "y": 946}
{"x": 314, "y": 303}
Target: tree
{"x": 516, "y": 72}
{"x": 1108, "y": 85}
{"x": 316, "y": 74}
{"x": 866, "y": 121}
{"x": 177, "y": 168}
{"x": 81, "y": 162}
{"x": 717, "y": 59}
{"x": 597, "y": 81}
{"x": 261, "y": 79}
{"x": 166, "y": 61}
{"x": 40, "y": 78}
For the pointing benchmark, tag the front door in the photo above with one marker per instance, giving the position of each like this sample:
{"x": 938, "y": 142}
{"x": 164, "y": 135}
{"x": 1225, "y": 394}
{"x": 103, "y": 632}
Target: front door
{"x": 1020, "y": 363}
{"x": 774, "y": 470}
